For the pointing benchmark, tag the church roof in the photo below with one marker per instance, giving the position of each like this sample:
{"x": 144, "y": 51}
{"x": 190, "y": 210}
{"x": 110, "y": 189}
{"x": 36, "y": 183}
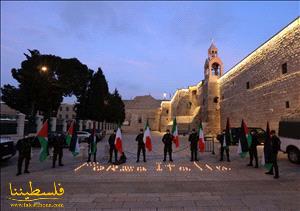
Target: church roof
{"x": 142, "y": 102}
{"x": 212, "y": 46}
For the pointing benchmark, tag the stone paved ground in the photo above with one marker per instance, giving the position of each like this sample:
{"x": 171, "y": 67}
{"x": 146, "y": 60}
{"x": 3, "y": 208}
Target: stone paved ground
{"x": 182, "y": 185}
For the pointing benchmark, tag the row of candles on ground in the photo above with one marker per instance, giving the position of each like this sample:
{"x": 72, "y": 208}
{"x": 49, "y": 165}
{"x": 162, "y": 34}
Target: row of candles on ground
{"x": 159, "y": 167}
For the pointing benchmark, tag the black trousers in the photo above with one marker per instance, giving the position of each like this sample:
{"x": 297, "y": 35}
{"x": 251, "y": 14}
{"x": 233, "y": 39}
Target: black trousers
{"x": 58, "y": 154}
{"x": 111, "y": 150}
{"x": 90, "y": 155}
{"x": 168, "y": 149}
{"x": 275, "y": 165}
{"x": 253, "y": 154}
{"x": 222, "y": 152}
{"x": 20, "y": 162}
{"x": 194, "y": 154}
{"x": 141, "y": 148}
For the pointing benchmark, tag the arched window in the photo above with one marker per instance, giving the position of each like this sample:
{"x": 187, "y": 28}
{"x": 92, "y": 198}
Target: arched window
{"x": 215, "y": 68}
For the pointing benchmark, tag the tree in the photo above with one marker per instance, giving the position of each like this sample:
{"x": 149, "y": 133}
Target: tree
{"x": 43, "y": 81}
{"x": 115, "y": 108}
{"x": 91, "y": 104}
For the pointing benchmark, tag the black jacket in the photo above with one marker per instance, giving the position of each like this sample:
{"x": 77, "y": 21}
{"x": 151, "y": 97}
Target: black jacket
{"x": 193, "y": 139}
{"x": 57, "y": 143}
{"x": 90, "y": 141}
{"x": 254, "y": 142}
{"x": 167, "y": 139}
{"x": 220, "y": 138}
{"x": 24, "y": 147}
{"x": 140, "y": 139}
{"x": 111, "y": 140}
{"x": 275, "y": 141}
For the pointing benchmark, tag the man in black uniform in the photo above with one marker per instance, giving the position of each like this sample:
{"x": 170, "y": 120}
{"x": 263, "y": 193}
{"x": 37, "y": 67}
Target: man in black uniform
{"x": 225, "y": 142}
{"x": 167, "y": 140}
{"x": 275, "y": 142}
{"x": 112, "y": 148}
{"x": 24, "y": 148}
{"x": 92, "y": 147}
{"x": 253, "y": 149}
{"x": 141, "y": 145}
{"x": 58, "y": 145}
{"x": 193, "y": 139}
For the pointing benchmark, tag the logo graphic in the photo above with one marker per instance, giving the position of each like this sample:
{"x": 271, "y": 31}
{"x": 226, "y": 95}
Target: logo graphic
{"x": 35, "y": 193}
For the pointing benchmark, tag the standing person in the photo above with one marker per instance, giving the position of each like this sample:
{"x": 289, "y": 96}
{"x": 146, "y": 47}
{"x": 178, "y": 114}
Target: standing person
{"x": 112, "y": 148}
{"x": 24, "y": 148}
{"x": 253, "y": 149}
{"x": 141, "y": 146}
{"x": 92, "y": 141}
{"x": 167, "y": 140}
{"x": 275, "y": 143}
{"x": 225, "y": 142}
{"x": 58, "y": 143}
{"x": 193, "y": 139}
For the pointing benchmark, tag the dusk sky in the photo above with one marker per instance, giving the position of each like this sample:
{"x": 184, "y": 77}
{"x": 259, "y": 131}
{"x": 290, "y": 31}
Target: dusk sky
{"x": 142, "y": 47}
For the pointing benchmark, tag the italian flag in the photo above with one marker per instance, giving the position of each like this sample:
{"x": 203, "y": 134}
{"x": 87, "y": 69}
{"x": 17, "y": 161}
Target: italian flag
{"x": 42, "y": 136}
{"x": 201, "y": 138}
{"x": 93, "y": 147}
{"x": 70, "y": 133}
{"x": 245, "y": 140}
{"x": 228, "y": 134}
{"x": 118, "y": 140}
{"x": 175, "y": 133}
{"x": 267, "y": 152}
{"x": 147, "y": 137}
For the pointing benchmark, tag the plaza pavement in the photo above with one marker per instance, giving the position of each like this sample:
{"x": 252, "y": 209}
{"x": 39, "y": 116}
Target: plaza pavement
{"x": 154, "y": 185}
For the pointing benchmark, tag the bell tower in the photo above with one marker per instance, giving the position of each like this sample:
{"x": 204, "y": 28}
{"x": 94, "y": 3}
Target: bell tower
{"x": 213, "y": 67}
{"x": 210, "y": 109}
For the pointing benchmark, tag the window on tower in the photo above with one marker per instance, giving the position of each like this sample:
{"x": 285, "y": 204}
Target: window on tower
{"x": 284, "y": 68}
{"x": 215, "y": 68}
{"x": 248, "y": 85}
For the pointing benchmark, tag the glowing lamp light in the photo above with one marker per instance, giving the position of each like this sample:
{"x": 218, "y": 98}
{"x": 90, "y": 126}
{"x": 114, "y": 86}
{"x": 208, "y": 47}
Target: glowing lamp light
{"x": 165, "y": 95}
{"x": 44, "y": 68}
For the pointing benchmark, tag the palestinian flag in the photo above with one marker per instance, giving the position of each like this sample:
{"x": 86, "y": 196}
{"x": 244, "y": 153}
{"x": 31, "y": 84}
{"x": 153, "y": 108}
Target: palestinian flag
{"x": 93, "y": 146}
{"x": 228, "y": 135}
{"x": 201, "y": 138}
{"x": 267, "y": 152}
{"x": 74, "y": 144}
{"x": 175, "y": 133}
{"x": 147, "y": 137}
{"x": 42, "y": 136}
{"x": 118, "y": 141}
{"x": 245, "y": 140}
{"x": 70, "y": 133}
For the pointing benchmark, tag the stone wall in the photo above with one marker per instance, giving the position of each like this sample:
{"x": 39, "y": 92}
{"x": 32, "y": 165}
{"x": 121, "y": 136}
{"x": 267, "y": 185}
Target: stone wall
{"x": 269, "y": 89}
{"x": 140, "y": 110}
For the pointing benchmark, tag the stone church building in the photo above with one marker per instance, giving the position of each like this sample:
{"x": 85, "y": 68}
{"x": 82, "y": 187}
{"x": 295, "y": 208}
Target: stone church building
{"x": 264, "y": 86}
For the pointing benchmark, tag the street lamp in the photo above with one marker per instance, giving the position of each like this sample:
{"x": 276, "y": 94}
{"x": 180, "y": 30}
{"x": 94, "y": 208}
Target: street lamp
{"x": 44, "y": 68}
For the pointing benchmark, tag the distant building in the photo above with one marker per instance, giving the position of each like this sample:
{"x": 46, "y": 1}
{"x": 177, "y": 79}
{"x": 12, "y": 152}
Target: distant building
{"x": 66, "y": 112}
{"x": 140, "y": 110}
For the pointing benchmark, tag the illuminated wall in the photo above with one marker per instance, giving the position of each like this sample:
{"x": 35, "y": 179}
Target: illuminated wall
{"x": 271, "y": 93}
